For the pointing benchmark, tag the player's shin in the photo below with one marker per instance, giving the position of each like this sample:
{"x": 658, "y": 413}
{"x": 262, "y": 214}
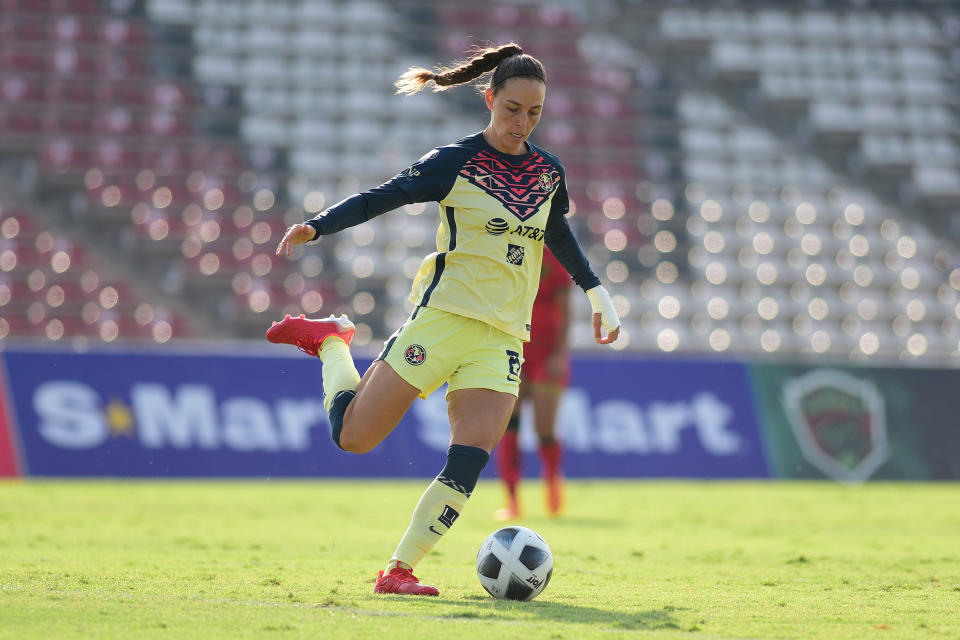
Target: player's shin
{"x": 551, "y": 457}
{"x": 441, "y": 504}
{"x": 508, "y": 461}
{"x": 340, "y": 380}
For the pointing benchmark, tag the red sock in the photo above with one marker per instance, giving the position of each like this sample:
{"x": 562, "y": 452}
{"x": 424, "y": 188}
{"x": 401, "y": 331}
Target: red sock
{"x": 508, "y": 462}
{"x": 551, "y": 457}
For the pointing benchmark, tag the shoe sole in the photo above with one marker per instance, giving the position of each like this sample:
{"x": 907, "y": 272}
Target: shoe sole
{"x": 277, "y": 329}
{"x": 405, "y": 593}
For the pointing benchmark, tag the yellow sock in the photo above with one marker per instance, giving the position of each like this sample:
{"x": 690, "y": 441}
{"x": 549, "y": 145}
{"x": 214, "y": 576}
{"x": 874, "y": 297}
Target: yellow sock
{"x": 436, "y": 512}
{"x": 339, "y": 372}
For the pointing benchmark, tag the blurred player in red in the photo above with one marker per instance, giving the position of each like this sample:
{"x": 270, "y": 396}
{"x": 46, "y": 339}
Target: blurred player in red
{"x": 545, "y": 374}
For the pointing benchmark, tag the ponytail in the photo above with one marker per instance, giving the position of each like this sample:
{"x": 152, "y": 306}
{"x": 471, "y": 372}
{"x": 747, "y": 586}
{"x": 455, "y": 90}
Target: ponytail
{"x": 484, "y": 60}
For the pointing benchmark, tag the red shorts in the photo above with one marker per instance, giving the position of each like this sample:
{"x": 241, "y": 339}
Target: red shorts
{"x": 536, "y": 360}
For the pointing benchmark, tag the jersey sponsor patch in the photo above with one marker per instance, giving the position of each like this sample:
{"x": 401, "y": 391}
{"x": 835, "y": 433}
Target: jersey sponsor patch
{"x": 526, "y": 231}
{"x": 514, "y": 254}
{"x": 497, "y": 226}
{"x": 520, "y": 188}
{"x": 415, "y": 355}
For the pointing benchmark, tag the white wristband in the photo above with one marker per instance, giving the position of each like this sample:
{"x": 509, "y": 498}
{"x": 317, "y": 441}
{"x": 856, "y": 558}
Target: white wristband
{"x": 601, "y": 303}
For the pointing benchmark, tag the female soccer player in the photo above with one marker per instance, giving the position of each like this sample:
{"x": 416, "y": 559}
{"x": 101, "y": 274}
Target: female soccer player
{"x": 546, "y": 372}
{"x": 501, "y": 198}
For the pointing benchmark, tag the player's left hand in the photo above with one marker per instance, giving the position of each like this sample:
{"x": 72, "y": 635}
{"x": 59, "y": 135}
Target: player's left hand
{"x": 598, "y": 331}
{"x": 604, "y": 316}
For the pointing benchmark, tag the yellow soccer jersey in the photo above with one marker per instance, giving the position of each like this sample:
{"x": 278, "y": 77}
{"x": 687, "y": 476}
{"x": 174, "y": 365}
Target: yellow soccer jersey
{"x": 496, "y": 212}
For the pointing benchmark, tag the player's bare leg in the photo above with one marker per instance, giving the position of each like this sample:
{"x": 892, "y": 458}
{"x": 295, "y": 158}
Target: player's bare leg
{"x": 478, "y": 417}
{"x": 509, "y": 466}
{"x": 546, "y": 404}
{"x": 383, "y": 397}
{"x": 363, "y": 411}
{"x": 477, "y": 420}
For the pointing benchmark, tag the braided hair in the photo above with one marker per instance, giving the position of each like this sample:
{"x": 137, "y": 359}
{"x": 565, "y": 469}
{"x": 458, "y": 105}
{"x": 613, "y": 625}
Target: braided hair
{"x": 506, "y": 61}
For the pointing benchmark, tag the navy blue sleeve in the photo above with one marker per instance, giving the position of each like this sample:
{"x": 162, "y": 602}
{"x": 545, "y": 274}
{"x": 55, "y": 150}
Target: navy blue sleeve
{"x": 560, "y": 240}
{"x": 429, "y": 179}
{"x": 359, "y": 208}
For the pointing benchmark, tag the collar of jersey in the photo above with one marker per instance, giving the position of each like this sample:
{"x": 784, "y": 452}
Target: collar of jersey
{"x": 507, "y": 156}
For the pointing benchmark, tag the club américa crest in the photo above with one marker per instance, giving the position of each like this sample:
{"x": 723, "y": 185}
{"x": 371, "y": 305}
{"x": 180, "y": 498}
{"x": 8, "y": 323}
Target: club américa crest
{"x": 546, "y": 182}
{"x": 415, "y": 355}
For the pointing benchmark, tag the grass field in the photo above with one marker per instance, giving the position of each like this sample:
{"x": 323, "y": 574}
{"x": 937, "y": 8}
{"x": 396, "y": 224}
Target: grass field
{"x": 277, "y": 559}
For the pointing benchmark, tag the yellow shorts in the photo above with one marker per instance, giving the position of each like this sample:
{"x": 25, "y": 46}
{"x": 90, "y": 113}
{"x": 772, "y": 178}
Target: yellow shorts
{"x": 433, "y": 347}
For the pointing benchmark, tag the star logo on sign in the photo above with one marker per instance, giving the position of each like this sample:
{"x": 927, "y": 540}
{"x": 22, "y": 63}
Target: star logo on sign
{"x": 119, "y": 418}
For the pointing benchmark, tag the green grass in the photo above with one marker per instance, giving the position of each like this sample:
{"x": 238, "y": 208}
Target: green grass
{"x": 277, "y": 559}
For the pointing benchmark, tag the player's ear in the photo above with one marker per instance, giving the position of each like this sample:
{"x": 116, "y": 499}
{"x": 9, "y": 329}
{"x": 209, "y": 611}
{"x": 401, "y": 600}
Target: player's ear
{"x": 488, "y": 97}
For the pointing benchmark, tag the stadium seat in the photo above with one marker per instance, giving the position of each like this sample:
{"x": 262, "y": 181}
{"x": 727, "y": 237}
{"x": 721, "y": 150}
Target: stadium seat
{"x": 170, "y": 117}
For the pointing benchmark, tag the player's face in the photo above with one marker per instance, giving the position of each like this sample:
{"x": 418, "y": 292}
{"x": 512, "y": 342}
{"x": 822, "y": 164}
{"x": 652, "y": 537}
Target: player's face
{"x": 514, "y": 113}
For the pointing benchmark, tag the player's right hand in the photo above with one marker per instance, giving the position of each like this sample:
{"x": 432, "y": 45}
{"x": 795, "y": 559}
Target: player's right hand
{"x": 296, "y": 234}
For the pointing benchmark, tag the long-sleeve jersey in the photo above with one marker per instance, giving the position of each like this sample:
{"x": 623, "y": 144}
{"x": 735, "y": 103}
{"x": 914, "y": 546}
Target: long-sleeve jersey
{"x": 496, "y": 212}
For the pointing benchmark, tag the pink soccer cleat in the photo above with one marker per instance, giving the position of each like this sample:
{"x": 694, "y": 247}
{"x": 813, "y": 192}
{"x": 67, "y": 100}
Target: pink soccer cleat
{"x": 510, "y": 512}
{"x": 308, "y": 335}
{"x": 402, "y": 581}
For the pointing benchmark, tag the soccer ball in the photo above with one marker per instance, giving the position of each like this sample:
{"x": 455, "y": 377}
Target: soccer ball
{"x": 514, "y": 563}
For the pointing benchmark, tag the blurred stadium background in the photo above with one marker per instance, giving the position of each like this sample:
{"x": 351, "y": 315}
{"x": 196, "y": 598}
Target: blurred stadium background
{"x": 748, "y": 178}
{"x": 770, "y": 190}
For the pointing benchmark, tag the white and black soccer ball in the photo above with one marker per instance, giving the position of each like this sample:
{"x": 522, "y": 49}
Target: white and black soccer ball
{"x": 514, "y": 563}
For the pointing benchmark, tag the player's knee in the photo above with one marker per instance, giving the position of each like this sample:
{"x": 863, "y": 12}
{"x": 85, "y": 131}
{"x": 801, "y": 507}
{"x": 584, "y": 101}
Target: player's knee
{"x": 355, "y": 442}
{"x": 360, "y": 434}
